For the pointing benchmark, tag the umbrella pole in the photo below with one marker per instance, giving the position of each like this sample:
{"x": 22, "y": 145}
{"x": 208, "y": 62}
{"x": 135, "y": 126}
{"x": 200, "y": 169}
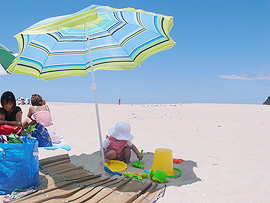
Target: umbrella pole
{"x": 95, "y": 96}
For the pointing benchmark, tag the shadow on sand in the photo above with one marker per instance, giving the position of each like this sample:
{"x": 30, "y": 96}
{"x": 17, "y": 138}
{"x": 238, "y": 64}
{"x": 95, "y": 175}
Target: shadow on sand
{"x": 92, "y": 163}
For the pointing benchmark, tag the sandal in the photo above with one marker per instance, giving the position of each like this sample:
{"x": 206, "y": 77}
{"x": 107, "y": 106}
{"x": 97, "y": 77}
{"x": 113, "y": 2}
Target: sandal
{"x": 19, "y": 193}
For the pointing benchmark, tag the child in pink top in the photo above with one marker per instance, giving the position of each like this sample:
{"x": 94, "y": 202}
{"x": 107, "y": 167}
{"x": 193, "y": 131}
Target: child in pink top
{"x": 118, "y": 146}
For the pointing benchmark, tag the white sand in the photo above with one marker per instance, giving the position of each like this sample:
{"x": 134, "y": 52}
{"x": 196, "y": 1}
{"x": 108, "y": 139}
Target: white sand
{"x": 226, "y": 147}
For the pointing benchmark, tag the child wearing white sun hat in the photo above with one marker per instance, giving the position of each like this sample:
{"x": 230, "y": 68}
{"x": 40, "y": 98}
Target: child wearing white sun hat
{"x": 118, "y": 145}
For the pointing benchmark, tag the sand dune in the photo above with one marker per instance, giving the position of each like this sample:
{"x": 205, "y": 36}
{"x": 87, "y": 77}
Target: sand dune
{"x": 225, "y": 146}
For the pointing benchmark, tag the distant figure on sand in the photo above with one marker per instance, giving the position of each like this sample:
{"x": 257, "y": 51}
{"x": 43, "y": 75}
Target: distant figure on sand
{"x": 118, "y": 146}
{"x": 41, "y": 114}
{"x": 119, "y": 101}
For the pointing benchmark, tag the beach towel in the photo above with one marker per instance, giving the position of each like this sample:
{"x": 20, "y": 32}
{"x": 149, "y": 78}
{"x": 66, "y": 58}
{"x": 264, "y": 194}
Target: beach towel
{"x": 8, "y": 129}
{"x": 19, "y": 193}
{"x": 61, "y": 145}
{"x": 52, "y": 145}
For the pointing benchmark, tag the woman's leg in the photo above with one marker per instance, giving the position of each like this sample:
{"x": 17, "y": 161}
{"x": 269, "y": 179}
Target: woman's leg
{"x": 28, "y": 122}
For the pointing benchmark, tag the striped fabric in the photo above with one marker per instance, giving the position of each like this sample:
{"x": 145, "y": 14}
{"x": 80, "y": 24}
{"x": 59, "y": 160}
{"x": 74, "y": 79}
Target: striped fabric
{"x": 119, "y": 39}
{"x": 2, "y": 70}
{"x": 6, "y": 58}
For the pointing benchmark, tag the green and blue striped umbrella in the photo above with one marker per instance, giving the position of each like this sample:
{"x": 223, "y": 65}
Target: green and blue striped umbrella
{"x": 119, "y": 39}
{"x": 97, "y": 37}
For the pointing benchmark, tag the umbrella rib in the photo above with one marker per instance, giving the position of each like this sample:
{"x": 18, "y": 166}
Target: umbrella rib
{"x": 49, "y": 53}
{"x": 118, "y": 42}
{"x": 138, "y": 14}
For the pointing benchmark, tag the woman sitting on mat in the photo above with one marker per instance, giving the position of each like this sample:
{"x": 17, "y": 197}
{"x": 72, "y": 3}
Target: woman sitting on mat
{"x": 41, "y": 114}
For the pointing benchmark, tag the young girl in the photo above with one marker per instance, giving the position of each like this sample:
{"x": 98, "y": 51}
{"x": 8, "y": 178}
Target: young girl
{"x": 118, "y": 145}
{"x": 41, "y": 114}
{"x": 13, "y": 113}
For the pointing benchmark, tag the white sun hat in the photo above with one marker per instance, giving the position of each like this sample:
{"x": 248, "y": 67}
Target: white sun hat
{"x": 121, "y": 131}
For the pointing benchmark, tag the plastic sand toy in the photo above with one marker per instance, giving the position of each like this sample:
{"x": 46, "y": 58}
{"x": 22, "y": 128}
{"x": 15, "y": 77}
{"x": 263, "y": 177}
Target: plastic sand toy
{"x": 177, "y": 175}
{"x": 163, "y": 160}
{"x": 109, "y": 171}
{"x": 159, "y": 176}
{"x": 178, "y": 161}
{"x": 138, "y": 164}
{"x": 137, "y": 175}
{"x": 116, "y": 166}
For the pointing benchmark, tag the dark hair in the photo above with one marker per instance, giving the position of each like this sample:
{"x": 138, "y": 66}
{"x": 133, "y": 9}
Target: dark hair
{"x": 3, "y": 112}
{"x": 8, "y": 97}
{"x": 36, "y": 100}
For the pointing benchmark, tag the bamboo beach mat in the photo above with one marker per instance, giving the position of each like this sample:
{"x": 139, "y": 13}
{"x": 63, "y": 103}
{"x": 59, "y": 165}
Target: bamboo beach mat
{"x": 61, "y": 181}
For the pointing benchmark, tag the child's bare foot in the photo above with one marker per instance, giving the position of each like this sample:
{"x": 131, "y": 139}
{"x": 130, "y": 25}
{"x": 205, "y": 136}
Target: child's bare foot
{"x": 126, "y": 161}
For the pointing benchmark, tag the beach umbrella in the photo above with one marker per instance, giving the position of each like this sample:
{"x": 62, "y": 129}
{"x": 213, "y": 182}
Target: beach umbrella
{"x": 97, "y": 37}
{"x": 20, "y": 99}
{"x": 6, "y": 58}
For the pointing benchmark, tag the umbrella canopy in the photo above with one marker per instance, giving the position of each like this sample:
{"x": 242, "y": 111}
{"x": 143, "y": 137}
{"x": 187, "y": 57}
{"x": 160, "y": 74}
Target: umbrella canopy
{"x": 267, "y": 102}
{"x": 97, "y": 37}
{"x": 119, "y": 39}
{"x": 20, "y": 99}
{"x": 6, "y": 58}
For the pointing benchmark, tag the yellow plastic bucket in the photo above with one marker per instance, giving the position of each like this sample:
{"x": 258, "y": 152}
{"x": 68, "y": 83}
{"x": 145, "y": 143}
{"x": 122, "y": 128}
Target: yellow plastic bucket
{"x": 163, "y": 160}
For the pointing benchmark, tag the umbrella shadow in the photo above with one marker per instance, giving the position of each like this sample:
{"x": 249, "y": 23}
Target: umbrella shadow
{"x": 92, "y": 163}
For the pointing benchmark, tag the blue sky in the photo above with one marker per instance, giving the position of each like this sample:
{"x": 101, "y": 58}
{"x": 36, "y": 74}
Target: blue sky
{"x": 222, "y": 54}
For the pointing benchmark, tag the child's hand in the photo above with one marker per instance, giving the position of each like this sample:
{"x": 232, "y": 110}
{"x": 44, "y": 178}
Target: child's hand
{"x": 107, "y": 160}
{"x": 140, "y": 156}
